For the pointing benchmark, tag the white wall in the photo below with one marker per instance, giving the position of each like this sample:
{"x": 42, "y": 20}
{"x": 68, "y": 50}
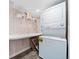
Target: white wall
{"x": 19, "y": 25}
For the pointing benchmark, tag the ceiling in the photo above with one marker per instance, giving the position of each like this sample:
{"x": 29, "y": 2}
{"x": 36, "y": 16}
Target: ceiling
{"x": 35, "y": 6}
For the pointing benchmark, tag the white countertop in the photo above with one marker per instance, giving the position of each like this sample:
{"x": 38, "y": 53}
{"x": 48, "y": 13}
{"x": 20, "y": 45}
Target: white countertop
{"x": 20, "y": 36}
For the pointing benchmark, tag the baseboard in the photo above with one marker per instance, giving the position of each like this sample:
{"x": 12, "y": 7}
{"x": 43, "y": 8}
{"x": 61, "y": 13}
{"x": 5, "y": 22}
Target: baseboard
{"x": 20, "y": 54}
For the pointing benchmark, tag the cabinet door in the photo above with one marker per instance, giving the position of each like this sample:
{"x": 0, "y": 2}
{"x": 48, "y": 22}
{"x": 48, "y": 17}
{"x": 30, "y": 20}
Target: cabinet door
{"x": 53, "y": 21}
{"x": 52, "y": 48}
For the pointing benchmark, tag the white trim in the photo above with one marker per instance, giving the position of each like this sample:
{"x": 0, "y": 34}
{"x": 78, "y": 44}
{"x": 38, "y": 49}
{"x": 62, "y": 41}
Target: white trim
{"x": 54, "y": 38}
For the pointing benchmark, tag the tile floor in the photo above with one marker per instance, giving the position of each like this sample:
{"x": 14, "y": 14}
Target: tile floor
{"x": 31, "y": 55}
